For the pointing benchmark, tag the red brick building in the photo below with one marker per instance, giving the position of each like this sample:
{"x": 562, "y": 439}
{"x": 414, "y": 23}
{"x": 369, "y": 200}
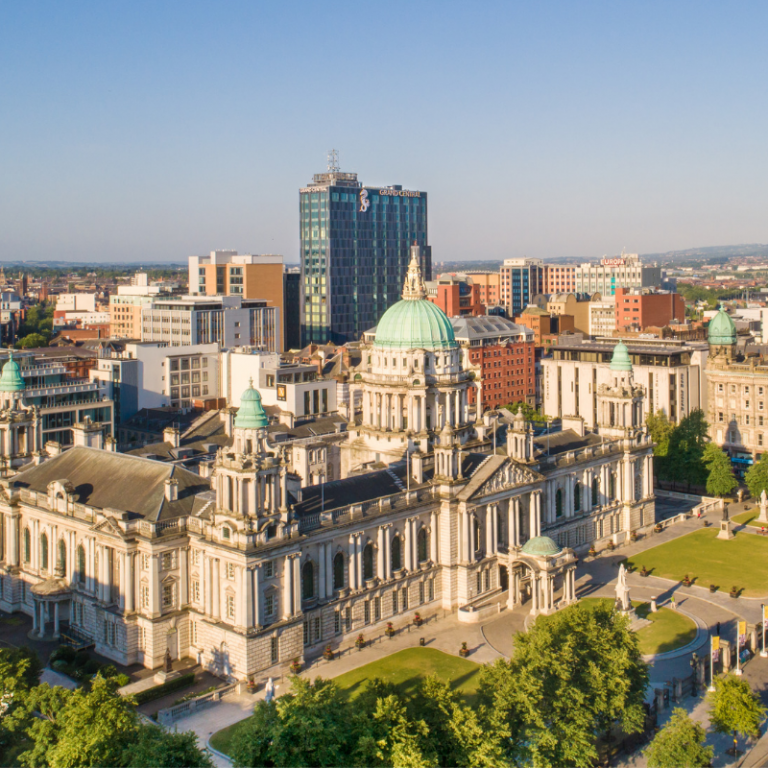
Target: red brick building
{"x": 504, "y": 353}
{"x": 457, "y": 298}
{"x": 637, "y": 309}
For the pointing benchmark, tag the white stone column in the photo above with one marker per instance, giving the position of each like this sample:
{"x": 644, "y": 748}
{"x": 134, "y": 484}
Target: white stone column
{"x": 488, "y": 530}
{"x": 511, "y": 523}
{"x": 321, "y": 571}
{"x": 129, "y": 582}
{"x": 329, "y": 569}
{"x": 256, "y": 603}
{"x": 154, "y": 584}
{"x": 287, "y": 588}
{"x": 183, "y": 576}
{"x": 423, "y": 422}
{"x": 472, "y": 538}
{"x": 388, "y": 552}
{"x": 433, "y": 556}
{"x": 216, "y": 587}
{"x": 411, "y": 424}
{"x": 352, "y": 563}
{"x": 380, "y": 553}
{"x": 407, "y": 545}
{"x": 241, "y": 592}
{"x": 297, "y": 584}
{"x": 13, "y": 539}
{"x": 359, "y": 556}
{"x": 532, "y": 509}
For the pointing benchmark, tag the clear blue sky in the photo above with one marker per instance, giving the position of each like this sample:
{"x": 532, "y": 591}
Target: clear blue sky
{"x": 155, "y": 130}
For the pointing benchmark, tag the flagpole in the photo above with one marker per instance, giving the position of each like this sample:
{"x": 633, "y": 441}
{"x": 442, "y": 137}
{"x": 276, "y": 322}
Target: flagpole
{"x": 763, "y": 653}
{"x": 712, "y": 662}
{"x": 738, "y": 672}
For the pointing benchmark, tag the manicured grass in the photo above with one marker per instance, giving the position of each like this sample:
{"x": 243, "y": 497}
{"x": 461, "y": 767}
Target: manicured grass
{"x": 669, "y": 629}
{"x": 741, "y": 562}
{"x": 749, "y": 518}
{"x": 404, "y": 669}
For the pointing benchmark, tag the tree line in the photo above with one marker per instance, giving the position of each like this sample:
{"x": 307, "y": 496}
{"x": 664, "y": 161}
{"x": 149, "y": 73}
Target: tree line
{"x": 571, "y": 679}
{"x": 53, "y": 727}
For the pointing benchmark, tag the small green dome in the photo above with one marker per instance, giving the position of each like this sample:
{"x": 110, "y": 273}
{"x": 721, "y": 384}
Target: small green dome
{"x": 415, "y": 324}
{"x": 251, "y": 414}
{"x": 721, "y": 329}
{"x": 11, "y": 380}
{"x": 620, "y": 360}
{"x": 541, "y": 546}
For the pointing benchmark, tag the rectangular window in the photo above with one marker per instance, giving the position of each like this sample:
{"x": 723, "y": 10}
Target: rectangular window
{"x": 405, "y": 598}
{"x": 144, "y": 596}
{"x": 759, "y": 438}
{"x": 421, "y": 593}
{"x": 145, "y": 561}
{"x": 306, "y": 631}
{"x": 348, "y": 619}
{"x": 231, "y": 607}
{"x": 274, "y": 648}
{"x": 479, "y": 578}
{"x": 394, "y": 601}
{"x": 367, "y": 611}
{"x": 193, "y": 632}
{"x": 487, "y": 580}
{"x": 316, "y": 634}
{"x": 195, "y": 590}
{"x": 269, "y": 606}
{"x": 376, "y": 608}
{"x": 337, "y": 622}
{"x": 168, "y": 596}
{"x": 431, "y": 589}
{"x": 269, "y": 569}
{"x": 230, "y": 570}
{"x": 167, "y": 560}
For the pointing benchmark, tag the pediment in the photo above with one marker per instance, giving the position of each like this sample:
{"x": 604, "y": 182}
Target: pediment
{"x": 505, "y": 475}
{"x": 107, "y": 526}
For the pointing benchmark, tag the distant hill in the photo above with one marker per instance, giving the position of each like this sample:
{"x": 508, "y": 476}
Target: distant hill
{"x": 713, "y": 254}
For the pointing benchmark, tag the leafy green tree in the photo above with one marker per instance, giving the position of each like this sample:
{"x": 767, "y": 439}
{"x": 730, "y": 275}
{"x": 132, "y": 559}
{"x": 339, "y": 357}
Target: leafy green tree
{"x": 80, "y": 728}
{"x": 686, "y": 449}
{"x": 660, "y": 428}
{"x": 19, "y": 673}
{"x": 679, "y": 744}
{"x": 720, "y": 480}
{"x": 393, "y": 738}
{"x": 157, "y": 748}
{"x": 251, "y": 745}
{"x": 572, "y": 676}
{"x": 32, "y": 341}
{"x": 735, "y": 709}
{"x": 457, "y": 734}
{"x": 756, "y": 477}
{"x": 528, "y": 411}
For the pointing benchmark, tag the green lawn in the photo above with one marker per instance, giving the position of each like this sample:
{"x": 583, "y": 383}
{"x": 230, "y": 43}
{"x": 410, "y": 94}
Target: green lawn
{"x": 749, "y": 518}
{"x": 669, "y": 629}
{"x": 741, "y": 562}
{"x": 405, "y": 669}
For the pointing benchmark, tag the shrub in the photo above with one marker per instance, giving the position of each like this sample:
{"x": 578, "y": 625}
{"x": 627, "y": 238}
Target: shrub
{"x": 60, "y": 666}
{"x": 81, "y": 658}
{"x": 150, "y": 694}
{"x": 122, "y": 679}
{"x": 64, "y": 653}
{"x": 91, "y": 667}
{"x": 108, "y": 670}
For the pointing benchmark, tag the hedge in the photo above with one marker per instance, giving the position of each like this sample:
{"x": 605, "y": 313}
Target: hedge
{"x": 150, "y": 694}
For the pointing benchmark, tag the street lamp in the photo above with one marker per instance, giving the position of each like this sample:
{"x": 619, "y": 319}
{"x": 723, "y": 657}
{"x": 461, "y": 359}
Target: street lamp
{"x": 763, "y": 653}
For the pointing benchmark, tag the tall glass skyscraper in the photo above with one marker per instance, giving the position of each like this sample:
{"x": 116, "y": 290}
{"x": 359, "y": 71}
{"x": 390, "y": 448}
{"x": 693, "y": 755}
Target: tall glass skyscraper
{"x": 355, "y": 249}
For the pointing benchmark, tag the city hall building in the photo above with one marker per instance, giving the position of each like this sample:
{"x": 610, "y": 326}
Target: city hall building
{"x": 230, "y": 569}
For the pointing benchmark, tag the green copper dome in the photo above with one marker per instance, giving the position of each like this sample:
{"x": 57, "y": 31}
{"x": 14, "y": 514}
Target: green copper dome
{"x": 415, "y": 324}
{"x": 11, "y": 380}
{"x": 620, "y": 360}
{"x": 721, "y": 330}
{"x": 541, "y": 546}
{"x": 251, "y": 414}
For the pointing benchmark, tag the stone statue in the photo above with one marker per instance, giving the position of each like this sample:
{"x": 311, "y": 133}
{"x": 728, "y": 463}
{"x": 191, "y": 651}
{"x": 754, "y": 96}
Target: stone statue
{"x": 269, "y": 691}
{"x": 168, "y": 665}
{"x": 622, "y": 590}
{"x": 725, "y": 512}
{"x": 763, "y": 508}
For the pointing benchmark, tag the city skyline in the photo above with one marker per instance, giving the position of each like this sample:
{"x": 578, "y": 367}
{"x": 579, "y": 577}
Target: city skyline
{"x": 157, "y": 133}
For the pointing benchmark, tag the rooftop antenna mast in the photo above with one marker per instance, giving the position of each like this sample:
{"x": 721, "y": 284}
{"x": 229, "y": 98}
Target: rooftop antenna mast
{"x": 333, "y": 161}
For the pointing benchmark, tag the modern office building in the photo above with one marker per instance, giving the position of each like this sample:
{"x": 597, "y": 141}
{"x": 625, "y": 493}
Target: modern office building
{"x": 638, "y": 309}
{"x": 625, "y": 271}
{"x": 226, "y": 320}
{"x": 355, "y": 248}
{"x": 521, "y": 280}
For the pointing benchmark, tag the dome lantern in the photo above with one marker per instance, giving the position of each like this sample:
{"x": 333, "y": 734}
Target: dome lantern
{"x": 11, "y": 380}
{"x": 621, "y": 360}
{"x": 721, "y": 331}
{"x": 251, "y": 413}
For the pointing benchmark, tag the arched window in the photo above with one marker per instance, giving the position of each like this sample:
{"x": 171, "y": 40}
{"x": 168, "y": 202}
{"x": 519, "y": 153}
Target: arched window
{"x": 397, "y": 560}
{"x": 368, "y": 562}
{"x": 307, "y": 581}
{"x": 612, "y": 486}
{"x": 422, "y": 545}
{"x": 62, "y": 560}
{"x": 595, "y": 491}
{"x": 559, "y": 503}
{"x": 81, "y": 564}
{"x": 27, "y": 546}
{"x": 476, "y": 523}
{"x": 577, "y": 497}
{"x": 225, "y": 532}
{"x": 638, "y": 486}
{"x": 44, "y": 551}
{"x": 338, "y": 571}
